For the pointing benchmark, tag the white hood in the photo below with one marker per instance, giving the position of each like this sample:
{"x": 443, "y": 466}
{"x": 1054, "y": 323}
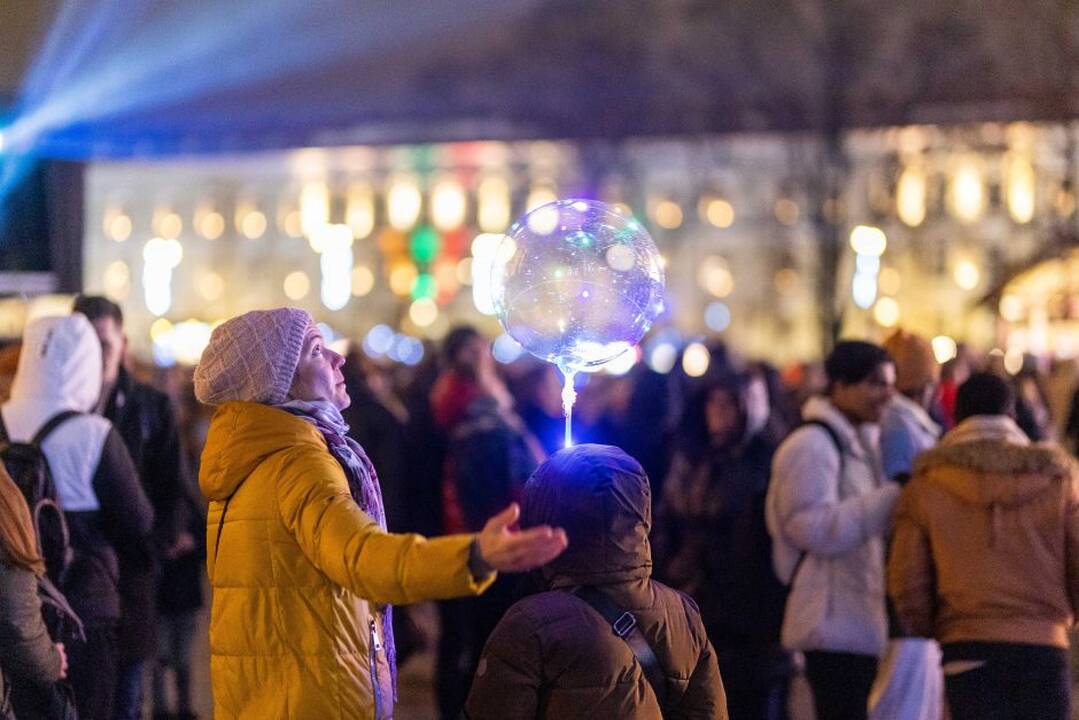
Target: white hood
{"x": 60, "y": 369}
{"x": 59, "y": 365}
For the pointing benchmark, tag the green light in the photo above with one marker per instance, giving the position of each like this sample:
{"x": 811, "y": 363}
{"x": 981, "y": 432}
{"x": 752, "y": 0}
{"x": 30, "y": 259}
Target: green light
{"x": 424, "y": 287}
{"x": 581, "y": 238}
{"x": 425, "y": 244}
{"x": 423, "y": 157}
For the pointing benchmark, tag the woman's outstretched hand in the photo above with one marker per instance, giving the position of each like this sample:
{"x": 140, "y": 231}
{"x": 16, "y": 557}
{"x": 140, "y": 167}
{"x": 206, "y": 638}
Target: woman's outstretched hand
{"x": 509, "y": 550}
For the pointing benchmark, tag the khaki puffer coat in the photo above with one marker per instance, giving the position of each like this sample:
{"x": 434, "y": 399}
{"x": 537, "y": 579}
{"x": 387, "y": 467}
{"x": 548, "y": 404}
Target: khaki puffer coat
{"x": 300, "y": 574}
{"x": 554, "y": 657}
{"x": 986, "y": 544}
{"x": 28, "y": 657}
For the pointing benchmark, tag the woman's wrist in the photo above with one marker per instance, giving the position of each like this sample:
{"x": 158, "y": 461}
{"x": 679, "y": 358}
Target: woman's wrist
{"x": 479, "y": 567}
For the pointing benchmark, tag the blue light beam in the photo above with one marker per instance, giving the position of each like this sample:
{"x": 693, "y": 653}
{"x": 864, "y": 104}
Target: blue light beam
{"x": 124, "y": 59}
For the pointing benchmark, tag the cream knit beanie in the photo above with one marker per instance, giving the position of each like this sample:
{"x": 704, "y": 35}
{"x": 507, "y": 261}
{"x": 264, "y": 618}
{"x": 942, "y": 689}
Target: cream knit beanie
{"x": 252, "y": 357}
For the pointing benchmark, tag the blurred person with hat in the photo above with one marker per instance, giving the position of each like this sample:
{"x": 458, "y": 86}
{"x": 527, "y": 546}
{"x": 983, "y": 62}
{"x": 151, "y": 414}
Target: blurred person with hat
{"x": 909, "y": 684}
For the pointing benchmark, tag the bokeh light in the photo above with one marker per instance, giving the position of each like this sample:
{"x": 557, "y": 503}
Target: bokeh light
{"x": 944, "y": 348}
{"x": 695, "y": 360}
{"x": 297, "y": 285}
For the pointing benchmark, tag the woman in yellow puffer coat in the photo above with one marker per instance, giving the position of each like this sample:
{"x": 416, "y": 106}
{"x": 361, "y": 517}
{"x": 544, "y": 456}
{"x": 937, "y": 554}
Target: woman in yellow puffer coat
{"x": 302, "y": 569}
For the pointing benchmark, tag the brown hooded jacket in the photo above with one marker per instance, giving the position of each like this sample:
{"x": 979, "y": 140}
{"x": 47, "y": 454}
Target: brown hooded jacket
{"x": 986, "y": 545}
{"x": 552, "y": 655}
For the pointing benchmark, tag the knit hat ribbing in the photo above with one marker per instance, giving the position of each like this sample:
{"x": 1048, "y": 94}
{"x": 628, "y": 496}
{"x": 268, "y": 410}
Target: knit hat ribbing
{"x": 252, "y": 357}
{"x": 915, "y": 364}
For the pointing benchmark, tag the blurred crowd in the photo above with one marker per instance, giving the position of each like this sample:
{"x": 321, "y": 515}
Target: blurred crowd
{"x": 747, "y": 520}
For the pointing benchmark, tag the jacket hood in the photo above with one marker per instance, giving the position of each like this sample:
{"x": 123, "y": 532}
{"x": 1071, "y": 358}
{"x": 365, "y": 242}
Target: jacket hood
{"x": 906, "y": 408}
{"x": 242, "y": 435}
{"x": 988, "y": 461}
{"x": 986, "y": 427}
{"x": 602, "y": 498}
{"x": 855, "y": 439}
{"x": 59, "y": 365}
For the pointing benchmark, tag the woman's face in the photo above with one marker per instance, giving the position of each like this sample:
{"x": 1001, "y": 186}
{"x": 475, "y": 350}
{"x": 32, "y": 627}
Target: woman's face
{"x": 721, "y": 415}
{"x": 318, "y": 374}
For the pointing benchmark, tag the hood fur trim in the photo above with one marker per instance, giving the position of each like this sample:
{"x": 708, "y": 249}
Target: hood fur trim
{"x": 995, "y": 473}
{"x": 993, "y": 457}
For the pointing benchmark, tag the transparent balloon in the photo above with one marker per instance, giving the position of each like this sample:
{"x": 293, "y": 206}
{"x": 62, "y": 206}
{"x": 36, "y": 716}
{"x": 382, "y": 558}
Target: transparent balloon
{"x": 577, "y": 283}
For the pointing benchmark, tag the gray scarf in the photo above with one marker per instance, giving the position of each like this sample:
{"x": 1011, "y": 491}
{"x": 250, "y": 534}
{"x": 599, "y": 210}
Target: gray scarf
{"x": 362, "y": 484}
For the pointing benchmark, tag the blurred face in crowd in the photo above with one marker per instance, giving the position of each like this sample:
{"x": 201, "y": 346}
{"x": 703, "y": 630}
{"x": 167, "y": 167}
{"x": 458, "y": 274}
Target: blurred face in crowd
{"x": 318, "y": 374}
{"x": 113, "y": 347}
{"x": 721, "y": 416}
{"x": 474, "y": 356}
{"x": 863, "y": 402}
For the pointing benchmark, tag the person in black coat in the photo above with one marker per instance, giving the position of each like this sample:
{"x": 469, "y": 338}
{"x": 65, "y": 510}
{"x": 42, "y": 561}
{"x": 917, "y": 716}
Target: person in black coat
{"x": 711, "y": 541}
{"x": 146, "y": 421}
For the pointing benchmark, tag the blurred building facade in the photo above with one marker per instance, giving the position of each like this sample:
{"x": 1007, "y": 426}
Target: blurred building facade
{"x": 931, "y": 221}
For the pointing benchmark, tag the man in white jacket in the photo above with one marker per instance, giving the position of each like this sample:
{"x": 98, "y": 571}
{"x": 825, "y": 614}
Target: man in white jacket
{"x": 828, "y": 509}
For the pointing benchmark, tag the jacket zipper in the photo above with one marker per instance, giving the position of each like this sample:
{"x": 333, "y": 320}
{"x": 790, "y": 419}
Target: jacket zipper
{"x": 376, "y": 685}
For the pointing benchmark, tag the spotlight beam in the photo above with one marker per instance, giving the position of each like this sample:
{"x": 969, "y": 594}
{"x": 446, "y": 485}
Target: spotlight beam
{"x": 116, "y": 63}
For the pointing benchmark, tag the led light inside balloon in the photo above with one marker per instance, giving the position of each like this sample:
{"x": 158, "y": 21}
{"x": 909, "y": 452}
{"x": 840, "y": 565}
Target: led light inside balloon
{"x": 577, "y": 283}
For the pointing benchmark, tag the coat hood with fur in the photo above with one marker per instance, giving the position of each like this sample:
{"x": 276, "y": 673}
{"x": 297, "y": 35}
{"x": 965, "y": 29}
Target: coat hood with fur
{"x": 602, "y": 498}
{"x": 987, "y": 460}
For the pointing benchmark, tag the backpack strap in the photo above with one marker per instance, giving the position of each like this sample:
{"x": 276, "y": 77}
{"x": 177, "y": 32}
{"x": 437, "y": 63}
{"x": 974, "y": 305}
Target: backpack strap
{"x": 624, "y": 625}
{"x": 51, "y": 424}
{"x": 51, "y": 595}
{"x": 832, "y": 435}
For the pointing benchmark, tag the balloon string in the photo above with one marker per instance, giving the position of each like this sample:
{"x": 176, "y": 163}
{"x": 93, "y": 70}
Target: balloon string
{"x": 569, "y": 397}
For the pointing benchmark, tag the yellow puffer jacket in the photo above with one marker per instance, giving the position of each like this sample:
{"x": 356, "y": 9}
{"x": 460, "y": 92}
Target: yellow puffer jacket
{"x": 298, "y": 571}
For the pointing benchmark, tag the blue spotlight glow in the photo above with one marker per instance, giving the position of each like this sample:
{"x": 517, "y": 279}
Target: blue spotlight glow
{"x": 164, "y": 77}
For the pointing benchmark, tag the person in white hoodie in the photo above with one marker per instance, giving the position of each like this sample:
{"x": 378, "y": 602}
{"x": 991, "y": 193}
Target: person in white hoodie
{"x": 96, "y": 483}
{"x": 828, "y": 510}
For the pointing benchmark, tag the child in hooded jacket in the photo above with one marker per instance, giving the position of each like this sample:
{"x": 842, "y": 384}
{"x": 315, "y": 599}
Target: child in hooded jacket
{"x": 553, "y": 655}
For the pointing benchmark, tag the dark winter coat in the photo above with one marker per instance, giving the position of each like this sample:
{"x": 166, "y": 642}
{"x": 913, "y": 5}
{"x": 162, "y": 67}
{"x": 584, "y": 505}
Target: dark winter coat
{"x": 145, "y": 419}
{"x": 101, "y": 536}
{"x": 179, "y": 587}
{"x": 553, "y": 656}
{"x": 715, "y": 543}
{"x": 27, "y": 654}
{"x": 489, "y": 459}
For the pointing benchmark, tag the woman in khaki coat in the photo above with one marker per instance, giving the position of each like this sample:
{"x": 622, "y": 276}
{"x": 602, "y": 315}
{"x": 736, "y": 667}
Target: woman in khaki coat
{"x": 302, "y": 570}
{"x": 29, "y": 660}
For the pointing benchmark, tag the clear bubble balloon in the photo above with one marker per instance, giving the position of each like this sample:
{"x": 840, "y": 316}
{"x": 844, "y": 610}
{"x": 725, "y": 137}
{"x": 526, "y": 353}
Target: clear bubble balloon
{"x": 577, "y": 283}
